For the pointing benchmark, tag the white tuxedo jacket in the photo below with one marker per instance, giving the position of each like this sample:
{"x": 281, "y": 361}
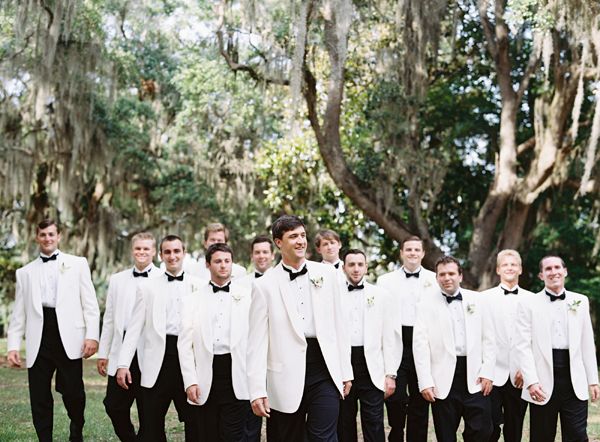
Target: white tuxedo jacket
{"x": 503, "y": 314}
{"x": 434, "y": 348}
{"x": 77, "y": 308}
{"x": 383, "y": 352}
{"x": 534, "y": 344}
{"x": 276, "y": 363}
{"x": 121, "y": 291}
{"x": 148, "y": 325}
{"x": 249, "y": 278}
{"x": 195, "y": 343}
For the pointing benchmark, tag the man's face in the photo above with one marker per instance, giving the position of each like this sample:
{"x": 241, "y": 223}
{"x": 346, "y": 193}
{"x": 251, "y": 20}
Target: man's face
{"x": 329, "y": 249}
{"x": 509, "y": 269}
{"x": 262, "y": 256}
{"x": 220, "y": 267}
{"x": 172, "y": 253}
{"x": 553, "y": 274}
{"x": 355, "y": 267}
{"x": 293, "y": 245}
{"x": 214, "y": 238}
{"x": 448, "y": 277}
{"x": 412, "y": 254}
{"x": 143, "y": 252}
{"x": 47, "y": 239}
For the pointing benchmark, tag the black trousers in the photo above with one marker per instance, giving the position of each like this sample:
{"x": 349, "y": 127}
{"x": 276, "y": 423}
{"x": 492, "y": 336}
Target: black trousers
{"x": 156, "y": 400}
{"x": 572, "y": 410}
{"x": 509, "y": 409}
{"x": 371, "y": 404}
{"x": 253, "y": 427}
{"x": 118, "y": 401}
{"x": 475, "y": 409}
{"x": 406, "y": 406}
{"x": 223, "y": 416}
{"x": 317, "y": 415}
{"x": 69, "y": 383}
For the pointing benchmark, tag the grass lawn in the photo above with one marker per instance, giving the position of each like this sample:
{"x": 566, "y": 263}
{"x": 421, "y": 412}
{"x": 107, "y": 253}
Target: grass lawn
{"x": 15, "y": 413}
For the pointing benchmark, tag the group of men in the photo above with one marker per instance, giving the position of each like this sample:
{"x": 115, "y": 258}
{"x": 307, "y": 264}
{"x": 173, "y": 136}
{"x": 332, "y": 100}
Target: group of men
{"x": 304, "y": 344}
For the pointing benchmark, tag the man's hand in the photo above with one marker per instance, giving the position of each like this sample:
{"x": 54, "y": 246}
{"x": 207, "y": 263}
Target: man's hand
{"x": 14, "y": 360}
{"x": 486, "y": 386}
{"x": 428, "y": 394}
{"x": 594, "y": 392}
{"x": 124, "y": 378}
{"x": 193, "y": 393}
{"x": 260, "y": 407}
{"x": 389, "y": 387}
{"x": 537, "y": 392}
{"x": 519, "y": 379}
{"x": 90, "y": 346}
{"x": 101, "y": 366}
{"x": 347, "y": 387}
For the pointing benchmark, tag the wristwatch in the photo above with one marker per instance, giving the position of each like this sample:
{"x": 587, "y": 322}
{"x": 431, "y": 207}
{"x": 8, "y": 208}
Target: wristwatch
{"x": 391, "y": 376}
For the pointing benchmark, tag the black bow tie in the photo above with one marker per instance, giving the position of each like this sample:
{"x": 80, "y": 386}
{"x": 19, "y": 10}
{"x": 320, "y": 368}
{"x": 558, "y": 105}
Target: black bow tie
{"x": 257, "y": 275}
{"x": 411, "y": 275}
{"x": 511, "y": 292}
{"x": 138, "y": 274}
{"x": 216, "y": 288}
{"x": 554, "y": 297}
{"x": 337, "y": 265}
{"x": 295, "y": 275}
{"x": 174, "y": 278}
{"x": 355, "y": 287}
{"x": 449, "y": 299}
{"x": 49, "y": 258}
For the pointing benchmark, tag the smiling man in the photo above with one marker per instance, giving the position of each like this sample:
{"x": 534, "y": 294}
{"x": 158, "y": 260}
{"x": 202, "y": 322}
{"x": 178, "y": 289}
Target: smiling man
{"x": 455, "y": 356}
{"x": 56, "y": 310}
{"x": 298, "y": 351}
{"x": 154, "y": 328}
{"x": 555, "y": 347}
{"x": 120, "y": 300}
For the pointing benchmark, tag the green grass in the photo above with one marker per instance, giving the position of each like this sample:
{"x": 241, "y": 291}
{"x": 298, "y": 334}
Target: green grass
{"x": 16, "y": 424}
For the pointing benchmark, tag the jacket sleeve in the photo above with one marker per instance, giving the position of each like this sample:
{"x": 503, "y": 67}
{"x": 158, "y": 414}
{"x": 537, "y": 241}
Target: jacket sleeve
{"x": 588, "y": 349}
{"x": 89, "y": 302}
{"x": 422, "y": 350}
{"x": 523, "y": 348}
{"x": 108, "y": 321}
{"x": 134, "y": 330}
{"x": 185, "y": 342}
{"x": 392, "y": 341}
{"x": 258, "y": 345}
{"x": 488, "y": 344}
{"x": 18, "y": 319}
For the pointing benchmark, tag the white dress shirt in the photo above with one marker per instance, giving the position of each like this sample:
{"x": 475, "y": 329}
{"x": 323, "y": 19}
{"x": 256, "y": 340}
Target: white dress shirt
{"x": 176, "y": 292}
{"x": 49, "y": 281}
{"x": 356, "y": 302}
{"x": 560, "y": 329}
{"x": 221, "y": 321}
{"x": 410, "y": 291}
{"x": 304, "y": 307}
{"x": 458, "y": 325}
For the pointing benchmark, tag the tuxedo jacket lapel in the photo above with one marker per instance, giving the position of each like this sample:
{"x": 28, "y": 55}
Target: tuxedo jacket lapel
{"x": 237, "y": 320}
{"x": 289, "y": 300}
{"x": 35, "y": 282}
{"x": 315, "y": 294}
{"x": 206, "y": 314}
{"x": 573, "y": 326}
{"x": 445, "y": 323}
{"x": 544, "y": 334}
{"x": 159, "y": 306}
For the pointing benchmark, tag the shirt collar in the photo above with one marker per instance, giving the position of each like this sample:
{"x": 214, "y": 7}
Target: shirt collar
{"x": 56, "y": 252}
{"x": 504, "y": 287}
{"x": 293, "y": 270}
{"x": 552, "y": 292}
{"x": 148, "y": 268}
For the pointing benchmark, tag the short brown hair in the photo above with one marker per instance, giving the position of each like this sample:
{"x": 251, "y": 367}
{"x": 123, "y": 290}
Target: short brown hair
{"x": 326, "y": 234}
{"x": 551, "y": 256}
{"x": 260, "y": 239}
{"x": 448, "y": 260}
{"x": 45, "y": 223}
{"x": 216, "y": 227}
{"x": 410, "y": 238}
{"x": 217, "y": 247}
{"x": 169, "y": 238}
{"x": 142, "y": 236}
{"x": 353, "y": 252}
{"x": 285, "y": 223}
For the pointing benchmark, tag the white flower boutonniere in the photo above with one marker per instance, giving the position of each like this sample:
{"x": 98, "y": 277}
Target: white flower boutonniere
{"x": 574, "y": 306}
{"x": 236, "y": 298}
{"x": 317, "y": 281}
{"x": 371, "y": 301}
{"x": 64, "y": 267}
{"x": 470, "y": 308}
{"x": 194, "y": 288}
{"x": 427, "y": 284}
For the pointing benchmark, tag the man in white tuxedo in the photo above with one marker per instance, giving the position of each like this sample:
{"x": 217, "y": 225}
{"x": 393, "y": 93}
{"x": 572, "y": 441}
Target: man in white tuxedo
{"x": 407, "y": 286}
{"x": 375, "y": 353}
{"x": 557, "y": 356}
{"x": 508, "y": 409}
{"x": 455, "y": 359}
{"x": 56, "y": 310}
{"x": 328, "y": 244}
{"x": 122, "y": 288}
{"x": 214, "y": 233}
{"x": 212, "y": 350}
{"x": 298, "y": 349}
{"x": 154, "y": 329}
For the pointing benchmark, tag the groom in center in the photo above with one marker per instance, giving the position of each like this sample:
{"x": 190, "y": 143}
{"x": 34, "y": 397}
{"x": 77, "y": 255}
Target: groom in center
{"x": 298, "y": 350}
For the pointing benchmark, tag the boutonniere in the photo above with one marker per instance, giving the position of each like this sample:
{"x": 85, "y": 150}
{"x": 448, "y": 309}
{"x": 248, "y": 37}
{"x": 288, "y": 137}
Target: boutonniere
{"x": 470, "y": 308}
{"x": 64, "y": 267}
{"x": 371, "y": 301}
{"x": 194, "y": 288}
{"x": 317, "y": 281}
{"x": 236, "y": 297}
{"x": 574, "y": 306}
{"x": 427, "y": 284}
